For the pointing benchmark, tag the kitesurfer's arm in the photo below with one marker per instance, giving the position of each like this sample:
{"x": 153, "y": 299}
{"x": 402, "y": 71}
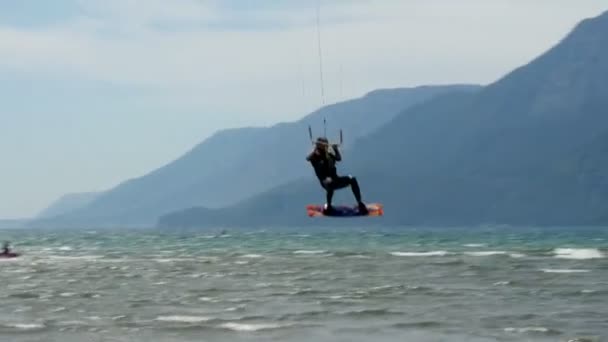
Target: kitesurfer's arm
{"x": 337, "y": 156}
{"x": 312, "y": 158}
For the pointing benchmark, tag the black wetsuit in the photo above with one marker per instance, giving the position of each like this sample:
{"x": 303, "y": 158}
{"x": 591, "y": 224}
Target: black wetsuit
{"x": 324, "y": 165}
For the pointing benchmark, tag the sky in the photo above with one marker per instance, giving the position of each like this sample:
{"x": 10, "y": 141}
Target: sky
{"x": 95, "y": 92}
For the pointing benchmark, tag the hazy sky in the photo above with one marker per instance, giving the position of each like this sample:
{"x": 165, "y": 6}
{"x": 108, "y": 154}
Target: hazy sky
{"x": 94, "y": 92}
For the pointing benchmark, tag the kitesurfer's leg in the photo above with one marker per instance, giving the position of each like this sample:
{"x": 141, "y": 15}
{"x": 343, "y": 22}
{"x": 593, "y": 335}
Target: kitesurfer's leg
{"x": 328, "y": 196}
{"x": 344, "y": 181}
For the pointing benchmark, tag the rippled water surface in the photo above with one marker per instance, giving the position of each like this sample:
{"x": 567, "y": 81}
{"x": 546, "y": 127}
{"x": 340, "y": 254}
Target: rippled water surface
{"x": 507, "y": 284}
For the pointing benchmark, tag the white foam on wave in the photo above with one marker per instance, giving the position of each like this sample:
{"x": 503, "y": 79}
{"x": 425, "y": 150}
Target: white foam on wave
{"x": 26, "y": 326}
{"x": 528, "y": 329}
{"x": 74, "y": 258}
{"x": 517, "y": 255}
{"x": 550, "y": 270}
{"x": 208, "y": 299}
{"x": 578, "y": 253}
{"x": 310, "y": 252}
{"x": 65, "y": 248}
{"x": 419, "y": 254}
{"x": 502, "y": 283}
{"x": 251, "y": 327}
{"x": 183, "y": 319}
{"x": 252, "y": 256}
{"x": 335, "y": 297}
{"x": 485, "y": 253}
{"x": 11, "y": 260}
{"x": 473, "y": 245}
{"x": 359, "y": 256}
{"x": 169, "y": 260}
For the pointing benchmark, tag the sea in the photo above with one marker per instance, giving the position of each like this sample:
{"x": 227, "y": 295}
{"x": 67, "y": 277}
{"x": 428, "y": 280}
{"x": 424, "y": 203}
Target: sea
{"x": 491, "y": 283}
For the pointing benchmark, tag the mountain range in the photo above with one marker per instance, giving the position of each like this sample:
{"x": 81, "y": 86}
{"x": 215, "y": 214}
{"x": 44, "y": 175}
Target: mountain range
{"x": 68, "y": 203}
{"x": 528, "y": 149}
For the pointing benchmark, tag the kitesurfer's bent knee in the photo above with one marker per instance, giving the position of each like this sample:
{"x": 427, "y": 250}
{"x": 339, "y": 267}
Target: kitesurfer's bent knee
{"x": 342, "y": 182}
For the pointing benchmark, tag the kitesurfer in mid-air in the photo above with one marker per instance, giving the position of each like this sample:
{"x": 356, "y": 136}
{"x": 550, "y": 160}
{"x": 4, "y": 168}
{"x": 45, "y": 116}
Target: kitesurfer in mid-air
{"x": 324, "y": 164}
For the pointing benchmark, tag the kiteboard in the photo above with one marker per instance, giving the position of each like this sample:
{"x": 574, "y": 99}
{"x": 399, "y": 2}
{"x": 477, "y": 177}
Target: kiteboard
{"x": 8, "y": 255}
{"x": 374, "y": 209}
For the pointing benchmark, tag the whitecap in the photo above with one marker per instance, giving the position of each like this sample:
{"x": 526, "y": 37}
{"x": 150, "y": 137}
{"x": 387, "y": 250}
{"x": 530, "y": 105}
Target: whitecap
{"x": 183, "y": 319}
{"x": 485, "y": 253}
{"x": 65, "y": 248}
{"x": 335, "y": 297}
{"x": 414, "y": 254}
{"x": 359, "y": 256}
{"x": 549, "y": 270}
{"x": 235, "y": 308}
{"x": 473, "y": 245}
{"x": 169, "y": 260}
{"x": 501, "y": 283}
{"x": 517, "y": 255}
{"x": 252, "y": 256}
{"x": 75, "y": 258}
{"x": 67, "y": 294}
{"x": 309, "y": 252}
{"x": 528, "y": 329}
{"x": 208, "y": 299}
{"x": 27, "y": 326}
{"x": 578, "y": 253}
{"x": 250, "y": 327}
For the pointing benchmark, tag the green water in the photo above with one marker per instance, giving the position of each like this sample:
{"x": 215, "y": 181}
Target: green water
{"x": 424, "y": 284}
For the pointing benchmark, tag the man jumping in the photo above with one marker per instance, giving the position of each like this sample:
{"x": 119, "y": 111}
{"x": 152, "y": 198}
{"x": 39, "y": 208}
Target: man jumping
{"x": 324, "y": 164}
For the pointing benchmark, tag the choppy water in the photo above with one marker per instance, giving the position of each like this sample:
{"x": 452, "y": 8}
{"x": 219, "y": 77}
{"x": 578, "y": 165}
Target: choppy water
{"x": 494, "y": 284}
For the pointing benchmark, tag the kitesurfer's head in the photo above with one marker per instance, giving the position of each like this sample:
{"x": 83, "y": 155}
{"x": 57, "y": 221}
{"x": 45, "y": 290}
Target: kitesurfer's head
{"x": 322, "y": 143}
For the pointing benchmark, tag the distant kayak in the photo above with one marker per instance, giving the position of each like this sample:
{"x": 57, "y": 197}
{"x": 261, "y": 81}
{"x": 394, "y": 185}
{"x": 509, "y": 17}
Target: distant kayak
{"x": 9, "y": 255}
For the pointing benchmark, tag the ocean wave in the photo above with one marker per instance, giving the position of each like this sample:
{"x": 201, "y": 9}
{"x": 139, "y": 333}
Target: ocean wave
{"x": 208, "y": 299}
{"x": 502, "y": 283}
{"x": 473, "y": 245}
{"x": 252, "y": 326}
{"x": 523, "y": 330}
{"x": 550, "y": 270}
{"x": 183, "y": 319}
{"x": 370, "y": 312}
{"x": 485, "y": 253}
{"x": 421, "y": 324}
{"x": 252, "y": 256}
{"x": 310, "y": 252}
{"x": 578, "y": 253}
{"x": 23, "y": 326}
{"x": 73, "y": 258}
{"x": 169, "y": 260}
{"x": 420, "y": 254}
{"x": 517, "y": 255}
